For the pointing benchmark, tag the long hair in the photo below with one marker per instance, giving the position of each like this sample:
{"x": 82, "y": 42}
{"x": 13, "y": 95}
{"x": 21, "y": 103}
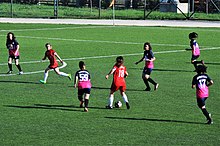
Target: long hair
{"x": 13, "y": 36}
{"x": 147, "y": 43}
{"x": 201, "y": 69}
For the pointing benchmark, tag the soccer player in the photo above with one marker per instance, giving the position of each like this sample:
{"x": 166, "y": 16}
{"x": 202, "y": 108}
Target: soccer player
{"x": 52, "y": 55}
{"x": 13, "y": 50}
{"x": 82, "y": 77}
{"x": 119, "y": 73}
{"x": 149, "y": 65}
{"x": 201, "y": 82}
{"x": 195, "y": 49}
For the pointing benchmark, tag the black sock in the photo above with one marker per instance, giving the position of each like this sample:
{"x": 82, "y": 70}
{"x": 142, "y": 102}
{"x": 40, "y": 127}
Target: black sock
{"x": 10, "y": 66}
{"x": 205, "y": 112}
{"x": 86, "y": 103}
{"x": 80, "y": 98}
{"x": 152, "y": 81}
{"x": 146, "y": 83}
{"x": 19, "y": 67}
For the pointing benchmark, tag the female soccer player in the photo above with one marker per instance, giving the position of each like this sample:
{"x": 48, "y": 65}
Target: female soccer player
{"x": 52, "y": 55}
{"x": 195, "y": 49}
{"x": 119, "y": 73}
{"x": 82, "y": 77}
{"x": 201, "y": 82}
{"x": 149, "y": 65}
{"x": 13, "y": 50}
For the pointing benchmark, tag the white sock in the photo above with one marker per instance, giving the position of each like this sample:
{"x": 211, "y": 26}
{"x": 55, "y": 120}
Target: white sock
{"x": 111, "y": 99}
{"x": 124, "y": 96}
{"x": 63, "y": 74}
{"x": 45, "y": 76}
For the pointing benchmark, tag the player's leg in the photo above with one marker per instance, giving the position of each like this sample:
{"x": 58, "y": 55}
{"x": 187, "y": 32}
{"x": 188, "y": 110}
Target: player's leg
{"x": 46, "y": 73}
{"x": 145, "y": 79}
{"x": 201, "y": 105}
{"x": 9, "y": 65}
{"x": 80, "y": 97}
{"x": 86, "y": 97}
{"x": 124, "y": 96}
{"x": 111, "y": 96}
{"x": 18, "y": 65}
{"x": 62, "y": 73}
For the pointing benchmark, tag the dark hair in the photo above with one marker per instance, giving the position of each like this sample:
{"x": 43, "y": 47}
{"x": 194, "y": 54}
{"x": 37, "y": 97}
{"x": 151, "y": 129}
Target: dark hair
{"x": 147, "y": 43}
{"x": 47, "y": 44}
{"x": 201, "y": 69}
{"x": 13, "y": 36}
{"x": 193, "y": 35}
{"x": 119, "y": 59}
{"x": 81, "y": 64}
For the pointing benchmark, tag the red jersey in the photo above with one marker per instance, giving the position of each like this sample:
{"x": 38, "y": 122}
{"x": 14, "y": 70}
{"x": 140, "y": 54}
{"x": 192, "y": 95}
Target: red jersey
{"x": 51, "y": 56}
{"x": 118, "y": 78}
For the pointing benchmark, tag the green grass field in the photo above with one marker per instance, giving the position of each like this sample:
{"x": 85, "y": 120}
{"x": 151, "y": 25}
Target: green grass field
{"x": 36, "y": 114}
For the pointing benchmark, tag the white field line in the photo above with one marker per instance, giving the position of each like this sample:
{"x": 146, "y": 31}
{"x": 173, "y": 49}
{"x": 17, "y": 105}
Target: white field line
{"x": 98, "y": 57}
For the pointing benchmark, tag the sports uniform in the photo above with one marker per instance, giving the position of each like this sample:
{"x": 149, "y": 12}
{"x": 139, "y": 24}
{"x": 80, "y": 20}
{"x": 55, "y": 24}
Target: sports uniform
{"x": 12, "y": 49}
{"x": 195, "y": 49}
{"x": 84, "y": 84}
{"x": 149, "y": 65}
{"x": 50, "y": 55}
{"x": 118, "y": 82}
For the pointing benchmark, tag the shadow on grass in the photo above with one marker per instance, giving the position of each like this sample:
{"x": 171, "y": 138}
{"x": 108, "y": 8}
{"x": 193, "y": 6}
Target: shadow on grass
{"x": 155, "y": 120}
{"x": 53, "y": 107}
{"x": 212, "y": 63}
{"x": 164, "y": 70}
{"x": 104, "y": 88}
{"x": 20, "y": 82}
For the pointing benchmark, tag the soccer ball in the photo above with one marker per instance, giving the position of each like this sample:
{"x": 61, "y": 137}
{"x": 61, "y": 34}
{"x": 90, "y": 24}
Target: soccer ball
{"x": 118, "y": 104}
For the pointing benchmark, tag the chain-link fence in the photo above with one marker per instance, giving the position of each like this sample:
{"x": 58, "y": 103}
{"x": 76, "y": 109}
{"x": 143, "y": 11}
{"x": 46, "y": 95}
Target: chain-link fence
{"x": 124, "y": 9}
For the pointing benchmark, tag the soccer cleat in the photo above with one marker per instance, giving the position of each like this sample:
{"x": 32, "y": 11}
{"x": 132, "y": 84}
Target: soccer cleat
{"x": 9, "y": 72}
{"x": 86, "y": 109}
{"x": 70, "y": 77}
{"x": 209, "y": 121}
{"x": 156, "y": 86}
{"x": 21, "y": 73}
{"x": 42, "y": 81}
{"x": 127, "y": 105}
{"x": 109, "y": 107}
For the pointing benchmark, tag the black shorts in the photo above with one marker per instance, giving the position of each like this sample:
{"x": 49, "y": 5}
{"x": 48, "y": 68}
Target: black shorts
{"x": 201, "y": 102}
{"x": 14, "y": 57}
{"x": 147, "y": 71}
{"x": 194, "y": 57}
{"x": 82, "y": 91}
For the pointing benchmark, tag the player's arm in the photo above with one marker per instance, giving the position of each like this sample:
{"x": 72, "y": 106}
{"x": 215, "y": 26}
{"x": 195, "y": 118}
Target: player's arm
{"x": 210, "y": 83}
{"x": 58, "y": 57}
{"x": 139, "y": 60}
{"x": 152, "y": 59}
{"x": 126, "y": 74}
{"x": 17, "y": 48}
{"x": 45, "y": 56}
{"x": 110, "y": 73}
{"x": 193, "y": 86}
{"x": 75, "y": 81}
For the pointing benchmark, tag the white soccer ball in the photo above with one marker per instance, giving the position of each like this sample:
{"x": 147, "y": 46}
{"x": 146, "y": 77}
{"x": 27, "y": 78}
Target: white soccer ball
{"x": 118, "y": 104}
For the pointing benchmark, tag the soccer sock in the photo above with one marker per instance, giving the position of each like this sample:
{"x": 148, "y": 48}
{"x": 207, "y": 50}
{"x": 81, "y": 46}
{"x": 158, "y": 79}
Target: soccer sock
{"x": 205, "y": 112}
{"x": 146, "y": 83}
{"x": 10, "y": 66}
{"x": 124, "y": 96}
{"x": 63, "y": 74}
{"x": 19, "y": 67}
{"x": 80, "y": 98}
{"x": 195, "y": 64}
{"x": 152, "y": 81}
{"x": 86, "y": 103}
{"x": 45, "y": 76}
{"x": 111, "y": 99}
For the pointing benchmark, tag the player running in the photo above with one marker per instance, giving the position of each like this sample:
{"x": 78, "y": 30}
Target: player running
{"x": 13, "y": 51}
{"x": 52, "y": 55}
{"x": 119, "y": 73}
{"x": 201, "y": 82}
{"x": 195, "y": 49}
{"x": 149, "y": 65}
{"x": 82, "y": 77}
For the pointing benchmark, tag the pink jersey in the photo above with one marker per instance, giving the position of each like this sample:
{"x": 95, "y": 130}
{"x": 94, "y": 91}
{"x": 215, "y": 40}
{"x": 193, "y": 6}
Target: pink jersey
{"x": 200, "y": 81}
{"x": 83, "y": 79}
{"x": 195, "y": 48}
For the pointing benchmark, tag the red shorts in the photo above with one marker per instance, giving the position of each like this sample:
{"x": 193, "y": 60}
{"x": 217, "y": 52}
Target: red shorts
{"x": 116, "y": 88}
{"x": 53, "y": 66}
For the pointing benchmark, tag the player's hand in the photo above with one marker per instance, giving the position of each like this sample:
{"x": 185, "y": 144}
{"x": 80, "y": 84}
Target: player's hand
{"x": 106, "y": 76}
